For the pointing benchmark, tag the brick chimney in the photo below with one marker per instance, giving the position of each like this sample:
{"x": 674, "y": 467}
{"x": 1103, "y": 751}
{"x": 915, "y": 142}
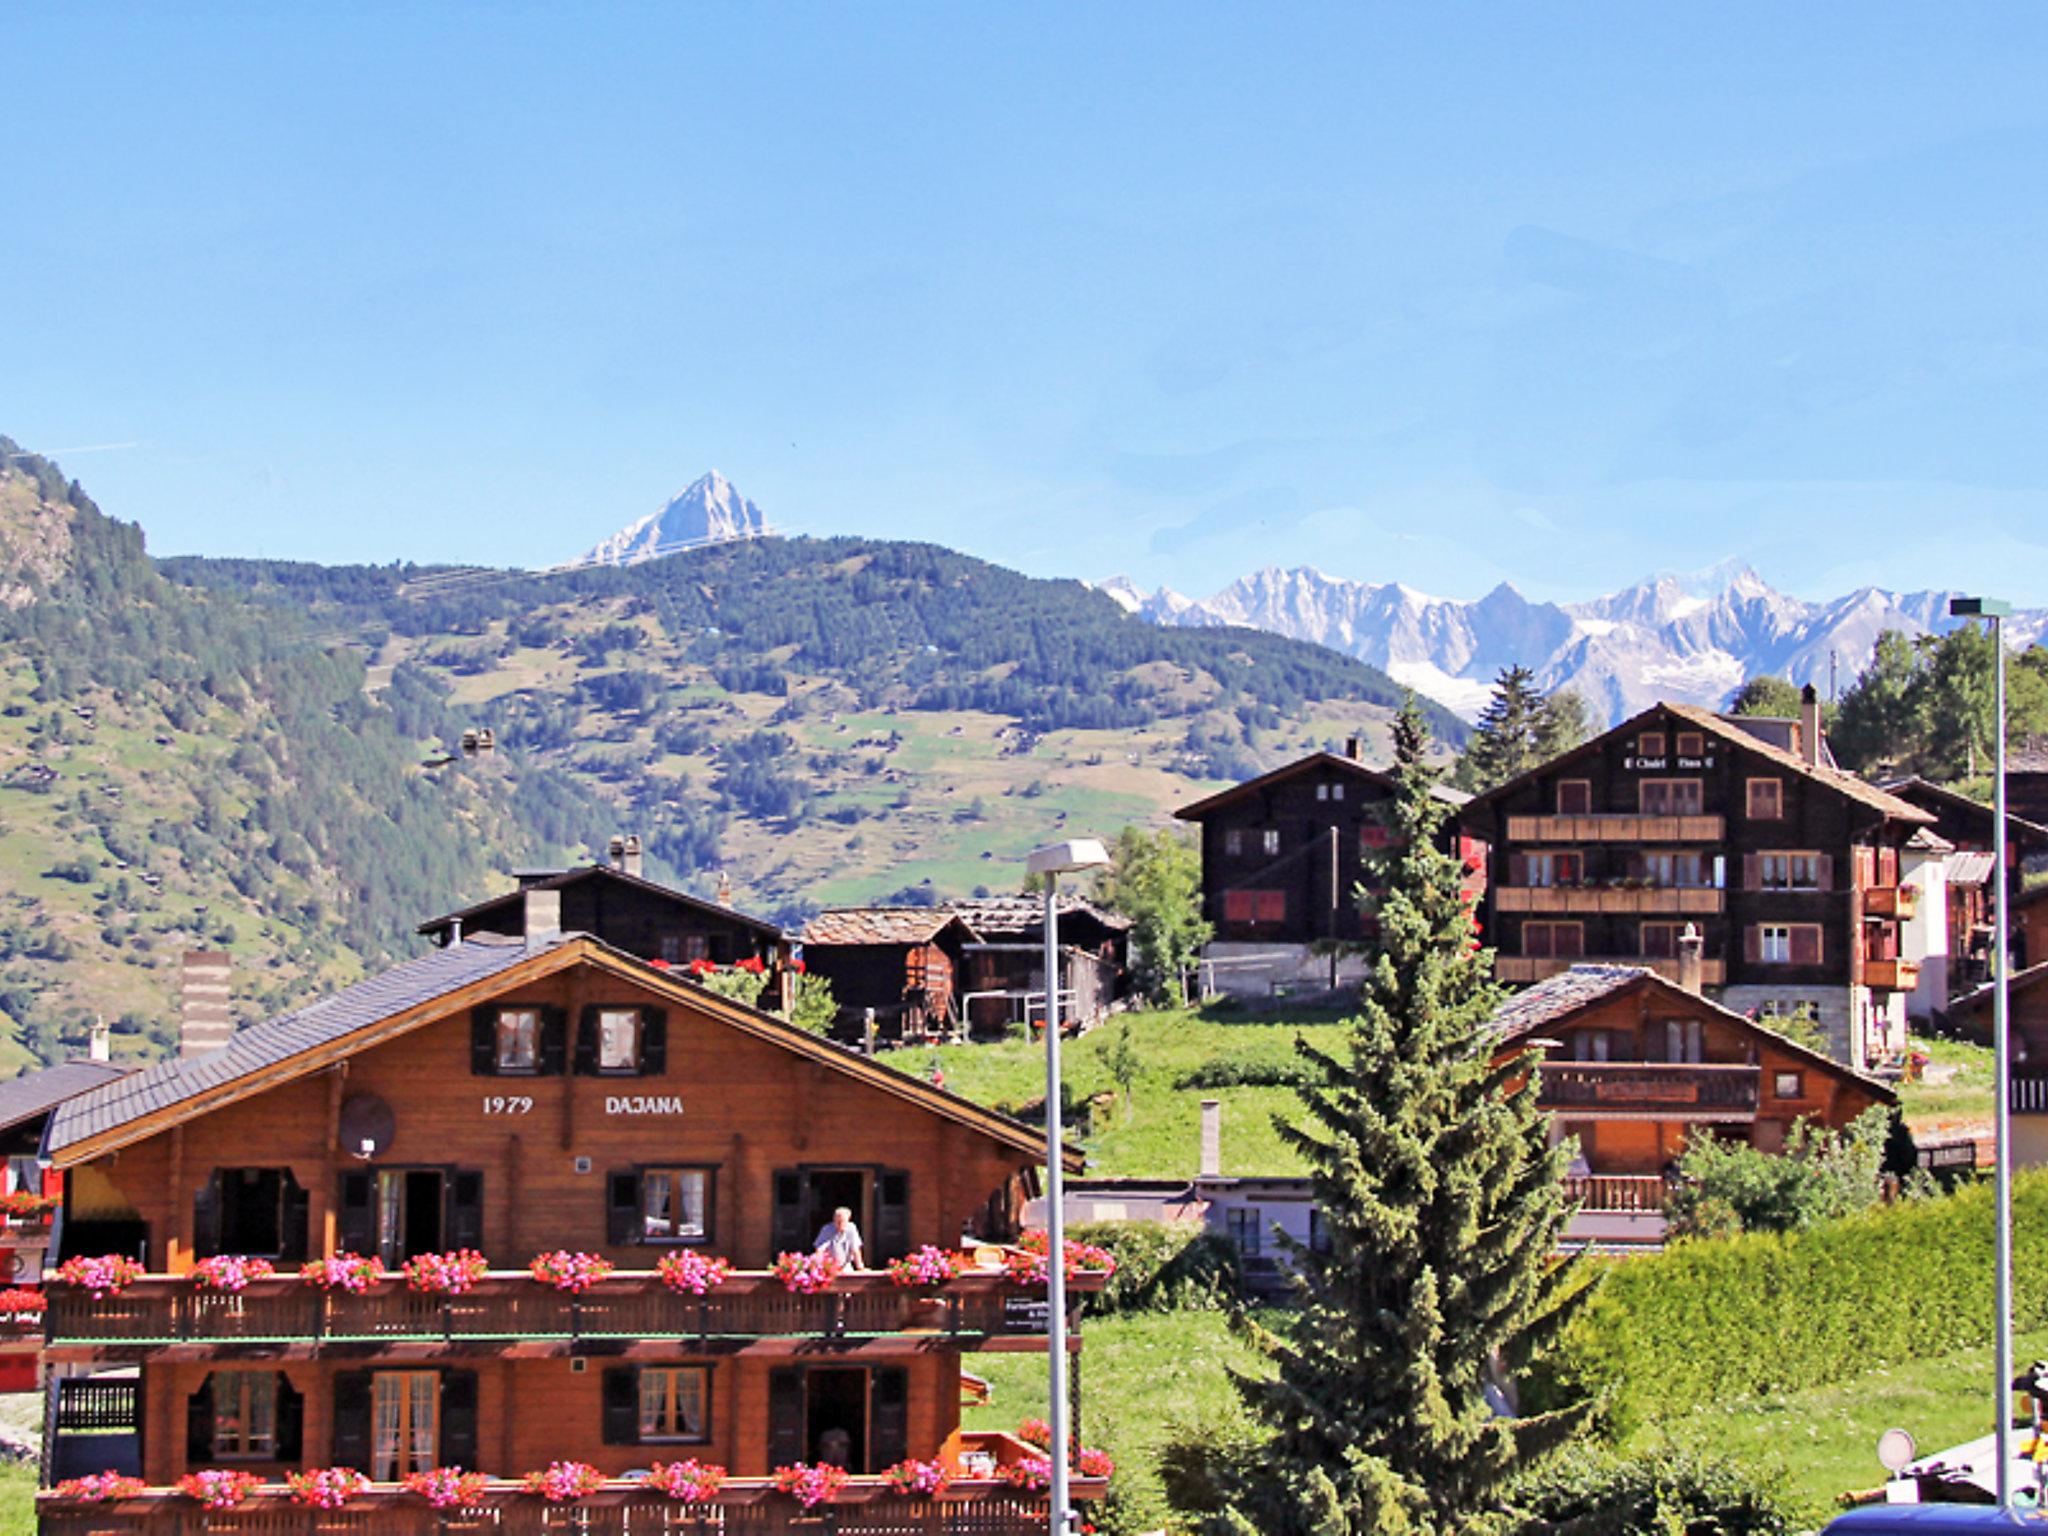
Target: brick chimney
{"x": 1211, "y": 1166}
{"x": 206, "y": 1020}
{"x": 1809, "y": 725}
{"x": 1691, "y": 966}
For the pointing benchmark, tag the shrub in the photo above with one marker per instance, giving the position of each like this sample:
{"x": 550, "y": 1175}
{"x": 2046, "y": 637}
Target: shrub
{"x": 1246, "y": 1069}
{"x": 1161, "y": 1267}
{"x": 1726, "y": 1187}
{"x": 1590, "y": 1493}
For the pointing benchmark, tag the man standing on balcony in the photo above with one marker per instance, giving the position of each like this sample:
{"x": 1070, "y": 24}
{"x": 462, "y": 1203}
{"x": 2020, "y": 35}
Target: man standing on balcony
{"x": 840, "y": 1238}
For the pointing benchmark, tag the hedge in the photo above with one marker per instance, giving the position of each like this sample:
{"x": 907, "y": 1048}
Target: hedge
{"x": 1162, "y": 1267}
{"x": 1713, "y": 1319}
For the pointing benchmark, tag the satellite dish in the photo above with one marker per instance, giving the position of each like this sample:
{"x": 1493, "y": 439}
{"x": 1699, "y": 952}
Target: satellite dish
{"x": 1895, "y": 1448}
{"x": 367, "y": 1125}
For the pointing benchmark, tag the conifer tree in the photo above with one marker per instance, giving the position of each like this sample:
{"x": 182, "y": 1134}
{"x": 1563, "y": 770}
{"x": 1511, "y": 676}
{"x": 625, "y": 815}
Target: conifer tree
{"x": 1520, "y": 728}
{"x": 1442, "y": 1202}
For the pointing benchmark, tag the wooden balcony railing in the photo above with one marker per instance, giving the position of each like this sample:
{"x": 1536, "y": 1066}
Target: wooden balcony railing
{"x": 1900, "y": 901}
{"x": 1892, "y": 975}
{"x": 1526, "y": 968}
{"x": 285, "y": 1316}
{"x": 1645, "y": 1087}
{"x": 1621, "y": 828}
{"x": 2029, "y": 1095}
{"x": 1704, "y": 900}
{"x": 1618, "y": 1192}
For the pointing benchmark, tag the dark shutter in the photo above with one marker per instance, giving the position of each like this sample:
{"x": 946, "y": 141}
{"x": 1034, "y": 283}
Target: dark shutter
{"x": 554, "y": 1042}
{"x": 199, "y": 1425}
{"x": 291, "y": 1420}
{"x": 1752, "y": 872}
{"x": 352, "y": 1420}
{"x": 653, "y": 1042}
{"x": 788, "y": 1231}
{"x": 1825, "y": 867}
{"x": 622, "y": 1406}
{"x": 786, "y": 1416}
{"x": 355, "y": 1224}
{"x": 458, "y": 1419}
{"x": 888, "y": 1416}
{"x": 891, "y": 1237}
{"x": 622, "y": 1207}
{"x": 483, "y": 1041}
{"x": 1805, "y": 944}
{"x": 294, "y": 1233}
{"x": 466, "y": 1211}
{"x": 586, "y": 1042}
{"x": 1518, "y": 869}
{"x": 1753, "y": 943}
{"x": 206, "y": 1217}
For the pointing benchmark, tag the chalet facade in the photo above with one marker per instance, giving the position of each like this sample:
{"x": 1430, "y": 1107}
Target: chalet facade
{"x": 904, "y": 963}
{"x": 2030, "y": 919}
{"x": 1282, "y": 856}
{"x": 2026, "y": 779}
{"x": 2027, "y": 991}
{"x": 1004, "y": 984}
{"x": 515, "y": 1098}
{"x": 1791, "y": 872}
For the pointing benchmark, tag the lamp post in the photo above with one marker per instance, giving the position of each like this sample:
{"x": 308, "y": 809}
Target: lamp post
{"x": 1052, "y": 861}
{"x": 1995, "y": 610}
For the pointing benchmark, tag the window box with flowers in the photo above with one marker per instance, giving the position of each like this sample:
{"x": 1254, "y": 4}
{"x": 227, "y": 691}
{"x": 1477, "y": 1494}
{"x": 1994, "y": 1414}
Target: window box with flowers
{"x": 810, "y": 1484}
{"x": 106, "y": 1275}
{"x": 687, "y": 1482}
{"x": 1029, "y": 1263}
{"x": 347, "y": 1272}
{"x": 806, "y": 1274}
{"x": 21, "y": 1308}
{"x": 230, "y": 1272}
{"x": 99, "y": 1488}
{"x": 564, "y": 1482}
{"x": 217, "y": 1489}
{"x": 445, "y": 1274}
{"x": 326, "y": 1487}
{"x": 928, "y": 1266}
{"x": 690, "y": 1273}
{"x": 25, "y": 1208}
{"x": 447, "y": 1487}
{"x": 573, "y": 1273}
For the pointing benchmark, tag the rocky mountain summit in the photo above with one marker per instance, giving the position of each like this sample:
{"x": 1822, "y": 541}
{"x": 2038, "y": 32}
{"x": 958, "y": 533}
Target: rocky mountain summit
{"x": 707, "y": 511}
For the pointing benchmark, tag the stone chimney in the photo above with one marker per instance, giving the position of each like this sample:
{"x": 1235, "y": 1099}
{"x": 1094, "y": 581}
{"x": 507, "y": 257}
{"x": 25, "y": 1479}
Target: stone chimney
{"x": 1211, "y": 1166}
{"x": 1809, "y": 725}
{"x": 100, "y": 1044}
{"x": 1691, "y": 953}
{"x": 724, "y": 889}
{"x": 206, "y": 1020}
{"x": 1351, "y": 748}
{"x": 625, "y": 854}
{"x": 543, "y": 914}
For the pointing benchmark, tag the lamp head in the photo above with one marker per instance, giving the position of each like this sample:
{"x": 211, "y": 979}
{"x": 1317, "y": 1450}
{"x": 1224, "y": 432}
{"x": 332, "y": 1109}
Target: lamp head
{"x": 1979, "y": 608}
{"x": 1064, "y": 858}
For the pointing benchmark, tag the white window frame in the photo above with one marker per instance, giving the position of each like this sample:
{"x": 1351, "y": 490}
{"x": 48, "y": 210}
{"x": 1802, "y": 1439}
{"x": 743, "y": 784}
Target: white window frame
{"x": 615, "y": 1025}
{"x": 521, "y": 1028}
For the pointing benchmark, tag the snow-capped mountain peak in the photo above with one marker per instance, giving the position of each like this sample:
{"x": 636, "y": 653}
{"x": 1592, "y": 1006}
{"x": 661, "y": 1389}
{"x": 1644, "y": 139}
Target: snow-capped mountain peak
{"x": 706, "y": 511}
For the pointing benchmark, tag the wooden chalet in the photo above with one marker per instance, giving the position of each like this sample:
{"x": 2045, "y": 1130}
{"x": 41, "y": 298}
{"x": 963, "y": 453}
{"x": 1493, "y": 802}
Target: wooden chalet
{"x": 1004, "y": 983}
{"x": 903, "y": 963}
{"x": 516, "y": 1097}
{"x": 1792, "y": 872}
{"x": 2026, "y": 779}
{"x": 1282, "y": 856}
{"x": 2028, "y": 991}
{"x": 2030, "y": 919}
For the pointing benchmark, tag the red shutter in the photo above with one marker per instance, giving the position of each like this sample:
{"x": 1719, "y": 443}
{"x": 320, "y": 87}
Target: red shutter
{"x": 1752, "y": 943}
{"x": 1271, "y": 906}
{"x": 1752, "y": 874}
{"x": 1237, "y": 906}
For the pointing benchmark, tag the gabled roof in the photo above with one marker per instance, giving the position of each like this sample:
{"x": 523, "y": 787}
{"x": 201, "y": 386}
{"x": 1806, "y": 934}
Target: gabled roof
{"x": 1917, "y": 791}
{"x": 1378, "y": 777}
{"x": 1846, "y": 784}
{"x": 882, "y": 925}
{"x": 2019, "y": 981}
{"x": 2032, "y": 894}
{"x": 425, "y": 991}
{"x": 998, "y": 917}
{"x": 37, "y": 1093}
{"x": 1569, "y": 993}
{"x": 555, "y": 881}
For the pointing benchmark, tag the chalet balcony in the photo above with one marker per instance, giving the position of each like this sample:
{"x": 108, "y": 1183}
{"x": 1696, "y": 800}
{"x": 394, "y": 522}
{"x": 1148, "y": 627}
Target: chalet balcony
{"x": 1615, "y": 828}
{"x": 1521, "y": 969}
{"x": 1891, "y": 975}
{"x": 1705, "y": 901}
{"x": 1900, "y": 901}
{"x": 2029, "y": 1095}
{"x": 508, "y": 1310}
{"x": 1648, "y": 1090}
{"x": 1618, "y": 1193}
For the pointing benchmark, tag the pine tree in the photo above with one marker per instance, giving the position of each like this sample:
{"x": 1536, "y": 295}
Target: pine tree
{"x": 1442, "y": 1202}
{"x": 1520, "y": 728}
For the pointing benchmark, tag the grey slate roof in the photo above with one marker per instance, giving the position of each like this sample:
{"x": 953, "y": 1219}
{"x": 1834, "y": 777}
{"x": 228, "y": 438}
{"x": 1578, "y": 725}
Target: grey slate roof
{"x": 36, "y": 1093}
{"x": 1556, "y": 997}
{"x": 276, "y": 1040}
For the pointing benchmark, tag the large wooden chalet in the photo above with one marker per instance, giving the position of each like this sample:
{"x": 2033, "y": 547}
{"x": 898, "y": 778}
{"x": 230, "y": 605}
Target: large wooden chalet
{"x": 516, "y": 1096}
{"x": 1791, "y": 871}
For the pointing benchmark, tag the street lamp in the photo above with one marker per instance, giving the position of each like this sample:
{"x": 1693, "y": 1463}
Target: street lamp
{"x": 1996, "y": 611}
{"x": 1052, "y": 861}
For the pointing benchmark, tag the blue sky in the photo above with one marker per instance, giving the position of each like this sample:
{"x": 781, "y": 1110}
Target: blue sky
{"x": 1448, "y": 294}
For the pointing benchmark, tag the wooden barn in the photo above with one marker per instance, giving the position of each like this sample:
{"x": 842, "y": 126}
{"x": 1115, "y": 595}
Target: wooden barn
{"x": 516, "y": 1098}
{"x": 904, "y": 963}
{"x": 1005, "y": 978}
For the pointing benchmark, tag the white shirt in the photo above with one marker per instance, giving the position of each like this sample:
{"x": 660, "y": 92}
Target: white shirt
{"x": 844, "y": 1245}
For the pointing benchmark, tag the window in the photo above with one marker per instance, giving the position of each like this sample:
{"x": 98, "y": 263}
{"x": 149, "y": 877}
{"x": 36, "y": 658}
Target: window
{"x": 1233, "y": 841}
{"x": 1691, "y": 744}
{"x": 1788, "y": 1085}
{"x": 1650, "y": 744}
{"x": 1681, "y": 1039}
{"x": 682, "y": 948}
{"x": 673, "y": 1402}
{"x": 518, "y": 1040}
{"x": 1255, "y": 906}
{"x": 1336, "y": 791}
{"x": 1658, "y": 941}
{"x": 1789, "y": 871}
{"x": 244, "y": 1415}
{"x": 618, "y": 1039}
{"x": 1788, "y": 943}
{"x": 405, "y": 1421}
{"x": 1766, "y": 799}
{"x": 1329, "y": 791}
{"x": 1669, "y": 797}
{"x": 1269, "y": 842}
{"x": 672, "y": 1204}
{"x": 1245, "y": 1230}
{"x": 1319, "y": 1240}
{"x": 1561, "y": 941}
{"x": 1549, "y": 869}
{"x": 1590, "y": 1045}
{"x": 1574, "y": 797}
{"x": 1687, "y": 871}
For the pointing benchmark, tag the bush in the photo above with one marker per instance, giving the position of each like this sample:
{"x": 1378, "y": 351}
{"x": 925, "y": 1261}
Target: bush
{"x": 1162, "y": 1267}
{"x": 1590, "y": 1493}
{"x": 1246, "y": 1069}
{"x": 1728, "y": 1187}
{"x": 1721, "y": 1318}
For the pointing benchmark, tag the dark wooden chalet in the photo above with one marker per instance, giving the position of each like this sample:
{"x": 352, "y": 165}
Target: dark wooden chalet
{"x": 519, "y": 1097}
{"x": 1791, "y": 872}
{"x": 2028, "y": 993}
{"x": 905, "y": 963}
{"x": 2030, "y": 917}
{"x": 2026, "y": 779}
{"x": 1005, "y": 978}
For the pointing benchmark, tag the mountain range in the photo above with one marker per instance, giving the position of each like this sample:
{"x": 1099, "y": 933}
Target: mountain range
{"x": 1693, "y": 638}
{"x": 706, "y": 511}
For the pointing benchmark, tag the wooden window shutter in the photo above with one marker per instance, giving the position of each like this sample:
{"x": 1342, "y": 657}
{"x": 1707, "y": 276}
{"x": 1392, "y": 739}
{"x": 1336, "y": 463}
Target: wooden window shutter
{"x": 458, "y": 1419}
{"x": 586, "y": 1042}
{"x": 1752, "y": 873}
{"x": 1824, "y": 865}
{"x": 1571, "y": 941}
{"x": 1237, "y": 906}
{"x": 291, "y": 1420}
{"x": 1805, "y": 944}
{"x": 622, "y": 1207}
{"x": 355, "y": 1224}
{"x": 295, "y": 1232}
{"x": 483, "y": 1041}
{"x": 653, "y": 1042}
{"x": 1271, "y": 906}
{"x": 621, "y": 1406}
{"x": 466, "y": 1211}
{"x": 1518, "y": 869}
{"x": 786, "y": 1416}
{"x": 206, "y": 1217}
{"x": 552, "y": 1054}
{"x": 892, "y": 1225}
{"x": 199, "y": 1425}
{"x": 789, "y": 1235}
{"x": 888, "y": 1416}
{"x": 351, "y": 1443}
{"x": 1753, "y": 943}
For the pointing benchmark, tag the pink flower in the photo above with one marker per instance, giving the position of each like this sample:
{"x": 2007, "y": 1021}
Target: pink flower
{"x": 230, "y": 1272}
{"x": 810, "y": 1485}
{"x": 925, "y": 1477}
{"x": 446, "y": 1274}
{"x": 692, "y": 1272}
{"x": 447, "y": 1487}
{"x": 327, "y": 1488}
{"x": 564, "y": 1482}
{"x": 218, "y": 1489}
{"x": 107, "y": 1275}
{"x": 571, "y": 1272}
{"x": 807, "y": 1273}
{"x": 1090, "y": 1462}
{"x": 99, "y": 1488}
{"x": 688, "y": 1482}
{"x": 1033, "y": 1474}
{"x": 1029, "y": 1263}
{"x": 349, "y": 1272}
{"x": 1035, "y": 1432}
{"x": 927, "y": 1266}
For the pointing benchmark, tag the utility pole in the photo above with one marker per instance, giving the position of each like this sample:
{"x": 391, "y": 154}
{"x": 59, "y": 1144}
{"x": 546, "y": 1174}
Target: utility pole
{"x": 1333, "y": 908}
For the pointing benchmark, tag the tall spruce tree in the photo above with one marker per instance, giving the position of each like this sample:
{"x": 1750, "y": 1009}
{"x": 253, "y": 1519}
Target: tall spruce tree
{"x": 1442, "y": 1203}
{"x": 1519, "y": 728}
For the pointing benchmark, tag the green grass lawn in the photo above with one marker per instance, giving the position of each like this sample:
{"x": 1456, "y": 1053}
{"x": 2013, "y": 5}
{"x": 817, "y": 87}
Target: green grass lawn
{"x": 17, "y": 1500}
{"x": 1966, "y": 1096}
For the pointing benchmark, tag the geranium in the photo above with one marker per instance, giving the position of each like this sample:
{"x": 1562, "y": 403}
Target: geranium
{"x": 20, "y": 1301}
{"x": 927, "y": 1266}
{"x": 328, "y": 1487}
{"x": 918, "y": 1476}
{"x": 571, "y": 1272}
{"x": 564, "y": 1482}
{"x": 22, "y": 1204}
{"x": 447, "y": 1487}
{"x": 807, "y": 1273}
{"x": 1033, "y": 1474}
{"x": 751, "y": 965}
{"x": 1029, "y": 1263}
{"x": 690, "y": 1481}
{"x": 1090, "y": 1462}
{"x": 446, "y": 1274}
{"x": 99, "y": 1488}
{"x": 349, "y": 1272}
{"x": 217, "y": 1489}
{"x": 701, "y": 967}
{"x": 1036, "y": 1432}
{"x": 230, "y": 1272}
{"x": 692, "y": 1272}
{"x": 107, "y": 1275}
{"x": 809, "y": 1484}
